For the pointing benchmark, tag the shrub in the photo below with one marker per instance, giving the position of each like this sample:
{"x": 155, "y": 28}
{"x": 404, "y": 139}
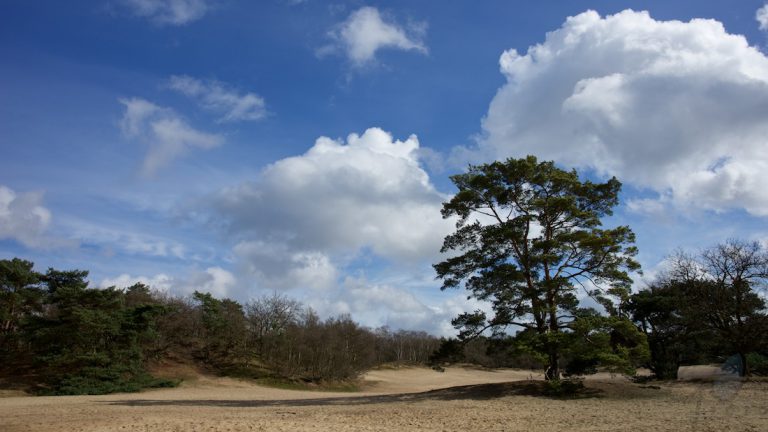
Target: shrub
{"x": 564, "y": 388}
{"x": 758, "y": 364}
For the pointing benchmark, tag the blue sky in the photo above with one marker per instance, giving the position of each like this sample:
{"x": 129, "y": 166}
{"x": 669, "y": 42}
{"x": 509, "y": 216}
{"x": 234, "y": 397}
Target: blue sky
{"x": 304, "y": 147}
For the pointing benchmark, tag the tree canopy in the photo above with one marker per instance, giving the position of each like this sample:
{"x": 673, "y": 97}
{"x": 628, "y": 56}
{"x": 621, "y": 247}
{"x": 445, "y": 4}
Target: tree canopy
{"x": 528, "y": 235}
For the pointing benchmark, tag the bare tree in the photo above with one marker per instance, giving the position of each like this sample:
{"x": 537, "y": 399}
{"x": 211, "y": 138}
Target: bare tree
{"x": 723, "y": 283}
{"x": 268, "y": 319}
{"x": 272, "y": 314}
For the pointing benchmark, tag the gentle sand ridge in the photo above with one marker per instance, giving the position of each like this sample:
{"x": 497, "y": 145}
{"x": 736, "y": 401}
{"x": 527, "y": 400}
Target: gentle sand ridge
{"x": 402, "y": 399}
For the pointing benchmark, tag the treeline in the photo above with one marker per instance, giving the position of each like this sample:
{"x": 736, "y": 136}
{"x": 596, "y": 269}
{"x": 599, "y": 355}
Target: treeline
{"x": 60, "y": 336}
{"x": 706, "y": 308}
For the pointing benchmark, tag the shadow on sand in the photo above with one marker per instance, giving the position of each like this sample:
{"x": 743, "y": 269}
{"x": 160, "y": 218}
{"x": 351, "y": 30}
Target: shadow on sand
{"x": 474, "y": 392}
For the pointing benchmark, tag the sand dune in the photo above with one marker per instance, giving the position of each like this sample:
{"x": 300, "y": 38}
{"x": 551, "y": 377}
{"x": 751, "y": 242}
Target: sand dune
{"x": 403, "y": 399}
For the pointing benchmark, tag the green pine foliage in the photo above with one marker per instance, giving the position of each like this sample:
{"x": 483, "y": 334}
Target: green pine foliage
{"x": 71, "y": 338}
{"x": 528, "y": 236}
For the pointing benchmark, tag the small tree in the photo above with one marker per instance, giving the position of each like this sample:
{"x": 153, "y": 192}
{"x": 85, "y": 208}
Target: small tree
{"x": 528, "y": 234}
{"x": 223, "y": 326}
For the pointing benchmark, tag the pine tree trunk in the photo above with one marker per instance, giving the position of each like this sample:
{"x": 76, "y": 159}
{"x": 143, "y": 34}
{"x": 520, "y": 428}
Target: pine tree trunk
{"x": 553, "y": 341}
{"x": 553, "y": 368}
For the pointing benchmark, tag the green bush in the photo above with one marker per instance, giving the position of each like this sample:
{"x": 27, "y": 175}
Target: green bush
{"x": 758, "y": 364}
{"x": 104, "y": 381}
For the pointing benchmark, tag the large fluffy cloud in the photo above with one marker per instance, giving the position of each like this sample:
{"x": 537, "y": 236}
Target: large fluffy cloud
{"x": 365, "y": 32}
{"x": 675, "y": 107}
{"x": 24, "y": 218}
{"x": 367, "y": 192}
{"x": 165, "y": 132}
{"x": 306, "y": 213}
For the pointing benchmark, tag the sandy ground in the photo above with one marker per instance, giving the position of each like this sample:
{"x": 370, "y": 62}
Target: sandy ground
{"x": 404, "y": 399}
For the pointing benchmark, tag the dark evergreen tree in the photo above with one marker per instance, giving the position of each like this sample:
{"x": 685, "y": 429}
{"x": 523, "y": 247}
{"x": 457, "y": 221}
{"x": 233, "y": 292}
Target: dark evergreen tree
{"x": 528, "y": 235}
{"x": 21, "y": 297}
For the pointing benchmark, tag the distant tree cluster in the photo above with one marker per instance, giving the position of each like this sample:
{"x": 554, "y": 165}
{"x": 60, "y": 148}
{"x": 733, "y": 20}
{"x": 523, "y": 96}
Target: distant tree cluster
{"x": 60, "y": 336}
{"x": 708, "y": 308}
{"x": 66, "y": 338}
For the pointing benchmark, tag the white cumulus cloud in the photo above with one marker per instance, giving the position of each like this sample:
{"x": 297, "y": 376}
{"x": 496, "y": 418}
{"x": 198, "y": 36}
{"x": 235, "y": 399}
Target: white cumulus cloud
{"x": 165, "y": 132}
{"x": 369, "y": 192}
{"x": 169, "y": 12}
{"x": 24, "y": 218}
{"x": 305, "y": 217}
{"x": 674, "y": 107}
{"x": 220, "y": 98}
{"x": 365, "y": 32}
{"x": 762, "y": 17}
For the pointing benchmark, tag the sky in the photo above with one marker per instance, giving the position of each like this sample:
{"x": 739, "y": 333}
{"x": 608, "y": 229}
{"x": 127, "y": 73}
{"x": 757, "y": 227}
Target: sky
{"x": 305, "y": 147}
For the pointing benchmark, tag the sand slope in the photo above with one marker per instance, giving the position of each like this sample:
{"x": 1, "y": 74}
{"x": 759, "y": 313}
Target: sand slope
{"x": 404, "y": 399}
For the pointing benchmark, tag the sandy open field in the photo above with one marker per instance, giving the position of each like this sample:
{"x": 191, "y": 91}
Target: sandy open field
{"x": 406, "y": 399}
